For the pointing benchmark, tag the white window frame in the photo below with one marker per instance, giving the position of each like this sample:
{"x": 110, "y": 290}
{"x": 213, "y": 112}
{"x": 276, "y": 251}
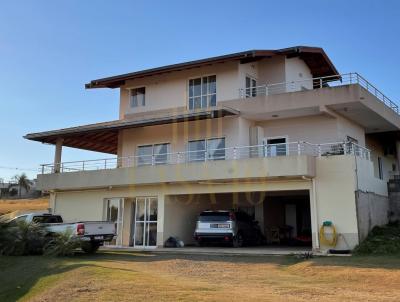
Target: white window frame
{"x": 251, "y": 88}
{"x": 130, "y": 96}
{"x": 152, "y": 154}
{"x": 206, "y": 158}
{"x": 265, "y": 143}
{"x": 188, "y": 98}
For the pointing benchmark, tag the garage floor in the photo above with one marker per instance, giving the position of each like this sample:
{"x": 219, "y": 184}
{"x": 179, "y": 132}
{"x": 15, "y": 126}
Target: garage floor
{"x": 254, "y": 251}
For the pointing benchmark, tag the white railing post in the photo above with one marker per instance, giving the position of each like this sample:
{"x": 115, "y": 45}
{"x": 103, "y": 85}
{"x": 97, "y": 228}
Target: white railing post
{"x": 298, "y": 148}
{"x": 319, "y": 150}
{"x": 320, "y": 83}
{"x": 83, "y": 165}
{"x": 153, "y": 160}
{"x": 344, "y": 149}
{"x": 234, "y": 153}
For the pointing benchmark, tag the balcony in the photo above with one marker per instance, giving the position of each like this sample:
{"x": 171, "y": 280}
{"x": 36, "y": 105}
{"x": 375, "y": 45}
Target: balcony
{"x": 317, "y": 83}
{"x": 289, "y": 160}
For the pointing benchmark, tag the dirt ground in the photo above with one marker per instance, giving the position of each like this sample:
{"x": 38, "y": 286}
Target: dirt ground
{"x": 11, "y": 205}
{"x": 128, "y": 276}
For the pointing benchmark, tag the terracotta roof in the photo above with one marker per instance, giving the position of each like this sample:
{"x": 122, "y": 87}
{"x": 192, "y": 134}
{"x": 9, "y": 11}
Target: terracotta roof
{"x": 315, "y": 57}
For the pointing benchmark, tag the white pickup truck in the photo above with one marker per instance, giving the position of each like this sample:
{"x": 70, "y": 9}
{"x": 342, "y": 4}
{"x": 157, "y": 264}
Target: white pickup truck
{"x": 91, "y": 234}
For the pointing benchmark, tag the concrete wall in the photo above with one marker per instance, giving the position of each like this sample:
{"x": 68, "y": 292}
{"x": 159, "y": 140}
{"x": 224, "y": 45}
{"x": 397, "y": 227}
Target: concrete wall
{"x": 394, "y": 206}
{"x": 372, "y": 210}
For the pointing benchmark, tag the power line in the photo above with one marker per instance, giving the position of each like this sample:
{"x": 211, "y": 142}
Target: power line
{"x": 18, "y": 169}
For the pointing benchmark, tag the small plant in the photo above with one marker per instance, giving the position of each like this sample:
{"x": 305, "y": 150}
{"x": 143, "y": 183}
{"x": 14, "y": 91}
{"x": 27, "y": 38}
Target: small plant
{"x": 305, "y": 255}
{"x": 61, "y": 244}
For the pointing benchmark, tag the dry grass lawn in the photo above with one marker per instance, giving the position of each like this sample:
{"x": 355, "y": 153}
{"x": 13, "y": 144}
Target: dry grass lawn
{"x": 11, "y": 205}
{"x": 125, "y": 276}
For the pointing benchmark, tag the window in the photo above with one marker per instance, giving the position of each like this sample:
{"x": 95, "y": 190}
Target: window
{"x": 251, "y": 85}
{"x": 202, "y": 92}
{"x": 380, "y": 168}
{"x": 153, "y": 154}
{"x": 48, "y": 219}
{"x": 210, "y": 149}
{"x": 275, "y": 146}
{"x": 137, "y": 97}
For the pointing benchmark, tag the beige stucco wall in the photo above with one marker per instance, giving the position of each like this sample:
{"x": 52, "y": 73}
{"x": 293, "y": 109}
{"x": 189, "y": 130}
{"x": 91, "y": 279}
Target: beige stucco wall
{"x": 335, "y": 186}
{"x": 335, "y": 195}
{"x": 297, "y": 71}
{"x": 170, "y": 90}
{"x": 232, "y": 128}
{"x": 314, "y": 129}
{"x": 387, "y": 160}
{"x": 271, "y": 70}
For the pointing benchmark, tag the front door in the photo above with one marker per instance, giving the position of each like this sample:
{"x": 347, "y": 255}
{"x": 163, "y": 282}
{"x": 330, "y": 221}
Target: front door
{"x": 145, "y": 221}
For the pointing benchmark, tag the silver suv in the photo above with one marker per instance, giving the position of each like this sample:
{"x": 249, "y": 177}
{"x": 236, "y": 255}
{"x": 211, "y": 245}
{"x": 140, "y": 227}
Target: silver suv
{"x": 233, "y": 227}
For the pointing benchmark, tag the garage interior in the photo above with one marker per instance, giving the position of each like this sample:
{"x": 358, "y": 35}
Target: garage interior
{"x": 283, "y": 216}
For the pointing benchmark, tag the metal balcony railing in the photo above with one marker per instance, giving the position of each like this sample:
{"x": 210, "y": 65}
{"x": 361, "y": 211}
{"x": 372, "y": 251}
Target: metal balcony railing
{"x": 202, "y": 156}
{"x": 315, "y": 83}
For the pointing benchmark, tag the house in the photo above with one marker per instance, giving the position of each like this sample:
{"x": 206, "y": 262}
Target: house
{"x": 279, "y": 134}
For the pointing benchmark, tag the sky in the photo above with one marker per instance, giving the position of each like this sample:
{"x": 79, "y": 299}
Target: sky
{"x": 50, "y": 49}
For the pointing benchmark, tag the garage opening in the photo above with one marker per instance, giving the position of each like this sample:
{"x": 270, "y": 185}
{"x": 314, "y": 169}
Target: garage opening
{"x": 283, "y": 217}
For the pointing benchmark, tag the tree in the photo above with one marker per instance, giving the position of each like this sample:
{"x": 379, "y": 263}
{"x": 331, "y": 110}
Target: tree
{"x": 23, "y": 183}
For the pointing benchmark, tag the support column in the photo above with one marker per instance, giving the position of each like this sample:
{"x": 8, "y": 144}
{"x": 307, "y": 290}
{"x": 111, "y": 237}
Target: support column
{"x": 57, "y": 155}
{"x": 160, "y": 220}
{"x": 398, "y": 156}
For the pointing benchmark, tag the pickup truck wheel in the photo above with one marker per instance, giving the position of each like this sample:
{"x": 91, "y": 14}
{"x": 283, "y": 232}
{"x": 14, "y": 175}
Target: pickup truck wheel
{"x": 90, "y": 247}
{"x": 238, "y": 240}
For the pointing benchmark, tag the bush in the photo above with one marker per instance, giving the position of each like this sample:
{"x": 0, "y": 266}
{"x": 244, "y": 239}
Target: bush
{"x": 61, "y": 244}
{"x": 21, "y": 238}
{"x": 384, "y": 240}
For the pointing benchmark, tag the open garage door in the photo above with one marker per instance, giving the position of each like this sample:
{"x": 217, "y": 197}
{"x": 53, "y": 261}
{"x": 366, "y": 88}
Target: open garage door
{"x": 283, "y": 217}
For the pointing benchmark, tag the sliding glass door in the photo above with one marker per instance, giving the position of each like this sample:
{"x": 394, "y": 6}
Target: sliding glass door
{"x": 145, "y": 220}
{"x": 114, "y": 209}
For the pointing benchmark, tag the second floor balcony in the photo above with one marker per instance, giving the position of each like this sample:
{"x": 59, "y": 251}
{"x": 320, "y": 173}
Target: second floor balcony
{"x": 294, "y": 160}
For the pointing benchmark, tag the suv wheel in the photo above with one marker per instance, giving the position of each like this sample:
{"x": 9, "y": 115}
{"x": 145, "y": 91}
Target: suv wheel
{"x": 238, "y": 240}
